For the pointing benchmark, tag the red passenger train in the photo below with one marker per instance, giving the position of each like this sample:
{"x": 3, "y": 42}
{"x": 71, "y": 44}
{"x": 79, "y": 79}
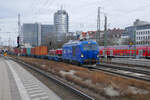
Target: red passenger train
{"x": 142, "y": 51}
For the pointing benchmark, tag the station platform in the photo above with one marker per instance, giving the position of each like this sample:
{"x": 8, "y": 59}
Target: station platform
{"x": 18, "y": 84}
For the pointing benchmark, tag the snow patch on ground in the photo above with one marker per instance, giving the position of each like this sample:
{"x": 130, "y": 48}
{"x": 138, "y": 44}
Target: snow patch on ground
{"x": 93, "y": 65}
{"x": 43, "y": 65}
{"x": 88, "y": 81}
{"x": 110, "y": 91}
{"x": 135, "y": 90}
{"x": 71, "y": 72}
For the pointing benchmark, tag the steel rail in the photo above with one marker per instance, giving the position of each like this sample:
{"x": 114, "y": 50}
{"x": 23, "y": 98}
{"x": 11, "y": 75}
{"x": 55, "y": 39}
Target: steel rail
{"x": 128, "y": 74}
{"x": 133, "y": 69}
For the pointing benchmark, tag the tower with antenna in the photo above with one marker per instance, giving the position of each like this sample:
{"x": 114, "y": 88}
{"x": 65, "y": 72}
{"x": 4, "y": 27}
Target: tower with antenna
{"x": 61, "y": 7}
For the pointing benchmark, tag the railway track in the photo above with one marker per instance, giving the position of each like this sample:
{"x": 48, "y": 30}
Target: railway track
{"x": 75, "y": 91}
{"x": 126, "y": 68}
{"x": 132, "y": 62}
{"x": 135, "y": 73}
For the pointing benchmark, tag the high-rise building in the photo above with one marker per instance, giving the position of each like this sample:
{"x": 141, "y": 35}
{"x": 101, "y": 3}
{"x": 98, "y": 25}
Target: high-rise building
{"x": 47, "y": 32}
{"x": 61, "y": 23}
{"x": 32, "y": 34}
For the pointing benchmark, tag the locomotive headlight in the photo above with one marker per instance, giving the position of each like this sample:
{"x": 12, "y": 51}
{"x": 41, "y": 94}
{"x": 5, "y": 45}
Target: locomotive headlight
{"x": 82, "y": 55}
{"x": 98, "y": 56}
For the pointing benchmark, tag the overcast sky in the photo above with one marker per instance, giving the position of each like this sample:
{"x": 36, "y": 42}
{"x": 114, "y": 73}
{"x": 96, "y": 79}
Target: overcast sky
{"x": 82, "y": 13}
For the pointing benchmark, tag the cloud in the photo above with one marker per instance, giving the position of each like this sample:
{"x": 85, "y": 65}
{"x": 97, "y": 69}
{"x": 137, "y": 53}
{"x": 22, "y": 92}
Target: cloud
{"x": 82, "y": 13}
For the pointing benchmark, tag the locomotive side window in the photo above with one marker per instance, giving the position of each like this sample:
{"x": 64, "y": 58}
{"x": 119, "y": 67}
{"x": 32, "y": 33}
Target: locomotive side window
{"x": 143, "y": 51}
{"x": 140, "y": 53}
{"x": 73, "y": 50}
{"x": 90, "y": 47}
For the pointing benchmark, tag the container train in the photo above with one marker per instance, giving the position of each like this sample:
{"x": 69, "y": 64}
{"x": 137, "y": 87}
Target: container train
{"x": 76, "y": 52}
{"x": 141, "y": 51}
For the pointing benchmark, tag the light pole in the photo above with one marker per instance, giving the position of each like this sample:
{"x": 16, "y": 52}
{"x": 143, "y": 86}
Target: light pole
{"x": 9, "y": 38}
{"x": 135, "y": 41}
{"x": 98, "y": 26}
{"x": 105, "y": 37}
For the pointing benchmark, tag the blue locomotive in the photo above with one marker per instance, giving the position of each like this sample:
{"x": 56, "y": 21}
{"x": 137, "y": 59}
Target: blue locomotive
{"x": 81, "y": 52}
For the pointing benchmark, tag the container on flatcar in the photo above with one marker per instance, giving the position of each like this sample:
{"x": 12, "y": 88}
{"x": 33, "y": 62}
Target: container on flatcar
{"x": 43, "y": 50}
{"x": 32, "y": 51}
{"x": 52, "y": 52}
{"x": 16, "y": 51}
{"x": 29, "y": 51}
{"x": 37, "y": 51}
{"x": 24, "y": 51}
{"x": 59, "y": 52}
{"x": 21, "y": 51}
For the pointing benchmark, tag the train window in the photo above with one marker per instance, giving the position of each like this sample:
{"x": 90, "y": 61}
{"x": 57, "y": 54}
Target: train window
{"x": 90, "y": 46}
{"x": 143, "y": 51}
{"x": 73, "y": 50}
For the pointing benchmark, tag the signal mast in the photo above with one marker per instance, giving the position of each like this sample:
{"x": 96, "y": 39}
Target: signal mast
{"x": 20, "y": 36}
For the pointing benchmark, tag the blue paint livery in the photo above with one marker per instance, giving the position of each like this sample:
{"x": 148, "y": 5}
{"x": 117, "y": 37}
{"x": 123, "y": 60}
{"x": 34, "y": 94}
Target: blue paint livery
{"x": 81, "y": 52}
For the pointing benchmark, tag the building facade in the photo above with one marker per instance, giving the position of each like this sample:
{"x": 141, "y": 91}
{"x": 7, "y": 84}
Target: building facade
{"x": 129, "y": 31}
{"x": 115, "y": 33}
{"x": 61, "y": 23}
{"x": 143, "y": 34}
{"x": 32, "y": 34}
{"x": 139, "y": 32}
{"x": 47, "y": 31}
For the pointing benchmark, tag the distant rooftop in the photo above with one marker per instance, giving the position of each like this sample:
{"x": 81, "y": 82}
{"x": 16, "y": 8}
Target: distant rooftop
{"x": 140, "y": 23}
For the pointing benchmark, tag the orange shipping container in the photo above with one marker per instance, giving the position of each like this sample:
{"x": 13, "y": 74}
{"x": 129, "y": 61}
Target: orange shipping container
{"x": 37, "y": 51}
{"x": 41, "y": 50}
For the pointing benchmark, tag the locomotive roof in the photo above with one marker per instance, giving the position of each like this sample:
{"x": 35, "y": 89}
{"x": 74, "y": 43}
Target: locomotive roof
{"x": 78, "y": 42}
{"x": 123, "y": 46}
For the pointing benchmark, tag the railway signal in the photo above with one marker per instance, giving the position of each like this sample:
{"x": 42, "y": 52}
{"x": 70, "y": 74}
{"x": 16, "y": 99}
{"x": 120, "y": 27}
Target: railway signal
{"x": 18, "y": 39}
